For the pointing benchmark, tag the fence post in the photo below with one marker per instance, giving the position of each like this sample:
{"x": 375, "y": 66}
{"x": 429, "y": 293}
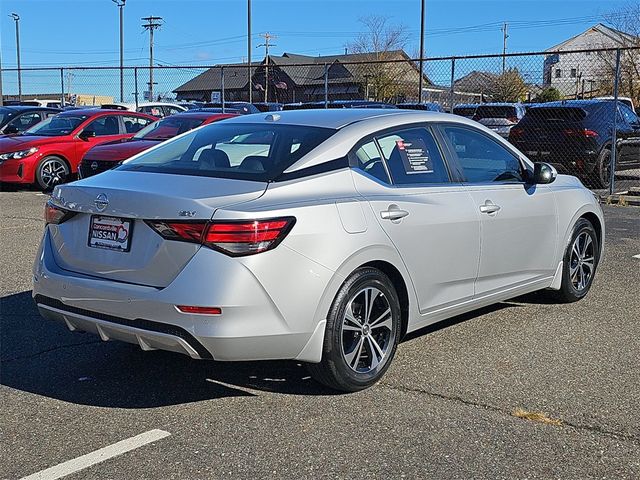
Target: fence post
{"x": 614, "y": 140}
{"x": 452, "y": 92}
{"x": 326, "y": 85}
{"x": 62, "y": 87}
{"x": 222, "y": 87}
{"x": 135, "y": 78}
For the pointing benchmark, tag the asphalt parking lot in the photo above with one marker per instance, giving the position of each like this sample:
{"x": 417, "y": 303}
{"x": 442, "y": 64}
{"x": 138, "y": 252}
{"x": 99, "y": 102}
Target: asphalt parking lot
{"x": 444, "y": 410}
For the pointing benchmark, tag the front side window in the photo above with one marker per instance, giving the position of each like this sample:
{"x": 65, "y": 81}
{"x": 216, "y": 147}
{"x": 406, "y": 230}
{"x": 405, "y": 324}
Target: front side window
{"x": 369, "y": 161}
{"x": 258, "y": 152}
{"x": 481, "y": 158}
{"x": 413, "y": 157}
{"x": 627, "y": 114}
{"x": 105, "y": 125}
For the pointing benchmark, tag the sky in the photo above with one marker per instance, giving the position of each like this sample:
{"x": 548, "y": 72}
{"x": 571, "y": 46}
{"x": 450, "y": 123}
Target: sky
{"x": 203, "y": 32}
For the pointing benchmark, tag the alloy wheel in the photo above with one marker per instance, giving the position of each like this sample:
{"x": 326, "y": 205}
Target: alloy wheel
{"x": 367, "y": 331}
{"x": 52, "y": 172}
{"x": 582, "y": 261}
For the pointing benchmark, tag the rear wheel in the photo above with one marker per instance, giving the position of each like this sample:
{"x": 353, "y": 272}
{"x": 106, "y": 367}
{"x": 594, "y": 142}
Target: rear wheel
{"x": 51, "y": 171}
{"x": 362, "y": 332}
{"x": 580, "y": 262}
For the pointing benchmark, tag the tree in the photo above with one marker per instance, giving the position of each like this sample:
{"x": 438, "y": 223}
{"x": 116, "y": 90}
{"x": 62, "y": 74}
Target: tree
{"x": 380, "y": 42}
{"x": 627, "y": 21}
{"x": 508, "y": 87}
{"x": 550, "y": 94}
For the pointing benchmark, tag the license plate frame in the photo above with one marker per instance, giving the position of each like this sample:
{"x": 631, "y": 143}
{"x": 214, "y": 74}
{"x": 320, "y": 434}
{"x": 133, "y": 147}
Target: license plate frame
{"x": 114, "y": 225}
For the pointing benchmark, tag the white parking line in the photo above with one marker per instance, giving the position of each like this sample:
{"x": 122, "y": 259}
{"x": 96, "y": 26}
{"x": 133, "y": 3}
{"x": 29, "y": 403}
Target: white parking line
{"x": 85, "y": 461}
{"x": 637, "y": 256}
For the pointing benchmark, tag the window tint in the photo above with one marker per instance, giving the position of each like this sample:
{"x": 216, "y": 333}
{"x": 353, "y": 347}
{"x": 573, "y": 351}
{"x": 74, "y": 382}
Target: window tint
{"x": 244, "y": 151}
{"x": 627, "y": 114}
{"x": 25, "y": 121}
{"x": 483, "y": 159}
{"x": 413, "y": 157}
{"x": 172, "y": 110}
{"x": 369, "y": 161}
{"x": 134, "y": 124}
{"x": 152, "y": 110}
{"x": 106, "y": 125}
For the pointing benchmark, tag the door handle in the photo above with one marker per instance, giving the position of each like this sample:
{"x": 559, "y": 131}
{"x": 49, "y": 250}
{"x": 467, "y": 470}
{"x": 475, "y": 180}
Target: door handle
{"x": 393, "y": 213}
{"x": 489, "y": 208}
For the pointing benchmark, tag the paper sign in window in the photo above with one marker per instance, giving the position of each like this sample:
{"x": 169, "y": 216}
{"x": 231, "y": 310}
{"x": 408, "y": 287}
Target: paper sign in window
{"x": 415, "y": 156}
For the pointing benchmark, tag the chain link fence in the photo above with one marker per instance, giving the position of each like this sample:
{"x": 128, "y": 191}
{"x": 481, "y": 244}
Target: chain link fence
{"x": 565, "y": 108}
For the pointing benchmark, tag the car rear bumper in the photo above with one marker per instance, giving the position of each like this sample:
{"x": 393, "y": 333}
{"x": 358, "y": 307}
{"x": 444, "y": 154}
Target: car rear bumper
{"x": 251, "y": 327}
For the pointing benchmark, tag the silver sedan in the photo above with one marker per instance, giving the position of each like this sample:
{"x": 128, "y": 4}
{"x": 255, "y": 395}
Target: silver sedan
{"x": 322, "y": 236}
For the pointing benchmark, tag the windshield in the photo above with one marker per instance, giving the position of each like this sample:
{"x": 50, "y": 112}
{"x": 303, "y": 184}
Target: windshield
{"x": 55, "y": 126}
{"x": 168, "y": 128}
{"x": 258, "y": 152}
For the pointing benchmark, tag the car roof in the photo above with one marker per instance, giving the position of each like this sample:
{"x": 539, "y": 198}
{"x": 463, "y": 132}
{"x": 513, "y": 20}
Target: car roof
{"x": 97, "y": 111}
{"x": 498, "y": 104}
{"x": 22, "y": 108}
{"x": 467, "y": 105}
{"x": 199, "y": 114}
{"x": 573, "y": 103}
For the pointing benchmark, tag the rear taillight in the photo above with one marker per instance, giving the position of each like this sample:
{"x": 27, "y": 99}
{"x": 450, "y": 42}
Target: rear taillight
{"x": 580, "y": 132}
{"x": 235, "y": 238}
{"x": 56, "y": 215}
{"x": 516, "y": 132}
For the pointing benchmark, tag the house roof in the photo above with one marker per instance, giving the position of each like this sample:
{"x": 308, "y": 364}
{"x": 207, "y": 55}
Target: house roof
{"x": 476, "y": 81}
{"x": 616, "y": 36}
{"x": 306, "y": 70}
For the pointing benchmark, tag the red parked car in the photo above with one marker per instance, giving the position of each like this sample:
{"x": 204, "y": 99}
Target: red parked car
{"x": 49, "y": 152}
{"x": 107, "y": 155}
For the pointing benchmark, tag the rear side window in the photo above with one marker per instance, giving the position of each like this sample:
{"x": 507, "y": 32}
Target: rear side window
{"x": 483, "y": 159}
{"x": 257, "y": 152}
{"x": 135, "y": 124}
{"x": 369, "y": 161}
{"x": 413, "y": 157}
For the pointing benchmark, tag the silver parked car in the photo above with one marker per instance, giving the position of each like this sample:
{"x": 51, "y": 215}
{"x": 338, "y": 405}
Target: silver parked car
{"x": 317, "y": 235}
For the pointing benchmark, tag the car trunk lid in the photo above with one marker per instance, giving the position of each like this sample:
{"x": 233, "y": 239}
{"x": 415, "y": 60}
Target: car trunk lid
{"x": 125, "y": 200}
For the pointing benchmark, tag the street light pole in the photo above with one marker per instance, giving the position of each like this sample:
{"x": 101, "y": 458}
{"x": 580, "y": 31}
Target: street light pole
{"x": 422, "y": 11}
{"x": 16, "y": 18}
{"x": 120, "y": 4}
{"x": 249, "y": 48}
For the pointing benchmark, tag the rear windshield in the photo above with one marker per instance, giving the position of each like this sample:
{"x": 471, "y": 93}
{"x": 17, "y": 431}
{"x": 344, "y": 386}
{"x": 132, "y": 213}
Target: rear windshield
{"x": 168, "y": 128}
{"x": 505, "y": 111}
{"x": 257, "y": 152}
{"x": 556, "y": 114}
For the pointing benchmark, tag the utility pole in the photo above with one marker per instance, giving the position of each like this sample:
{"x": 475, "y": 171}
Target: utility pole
{"x": 267, "y": 39}
{"x": 120, "y": 4}
{"x": 151, "y": 25}
{"x": 422, "y": 12}
{"x": 249, "y": 83}
{"x": 505, "y": 35}
{"x": 16, "y": 18}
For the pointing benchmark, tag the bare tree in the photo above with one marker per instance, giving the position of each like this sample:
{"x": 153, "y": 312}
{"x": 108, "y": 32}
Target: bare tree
{"x": 627, "y": 21}
{"x": 381, "y": 42}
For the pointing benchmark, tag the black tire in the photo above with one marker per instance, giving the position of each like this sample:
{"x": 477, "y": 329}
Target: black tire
{"x": 333, "y": 370}
{"x": 572, "y": 268}
{"x": 602, "y": 171}
{"x": 51, "y": 171}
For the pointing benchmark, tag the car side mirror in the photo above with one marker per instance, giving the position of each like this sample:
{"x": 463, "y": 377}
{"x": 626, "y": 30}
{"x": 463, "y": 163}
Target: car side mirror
{"x": 86, "y": 134}
{"x": 543, "y": 173}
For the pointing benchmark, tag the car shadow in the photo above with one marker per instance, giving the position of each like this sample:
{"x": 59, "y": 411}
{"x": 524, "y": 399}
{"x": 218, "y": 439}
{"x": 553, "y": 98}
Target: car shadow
{"x": 44, "y": 358}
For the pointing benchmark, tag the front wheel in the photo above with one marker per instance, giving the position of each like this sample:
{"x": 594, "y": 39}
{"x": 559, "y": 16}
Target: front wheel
{"x": 580, "y": 262}
{"x": 51, "y": 171}
{"x": 362, "y": 332}
{"x": 603, "y": 169}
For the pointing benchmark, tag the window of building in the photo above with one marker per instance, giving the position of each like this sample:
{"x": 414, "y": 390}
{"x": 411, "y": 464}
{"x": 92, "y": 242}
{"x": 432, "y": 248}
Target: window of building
{"x": 574, "y": 72}
{"x": 558, "y": 73}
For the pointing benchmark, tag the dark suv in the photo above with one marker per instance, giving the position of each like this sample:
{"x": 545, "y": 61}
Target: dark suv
{"x": 576, "y": 136}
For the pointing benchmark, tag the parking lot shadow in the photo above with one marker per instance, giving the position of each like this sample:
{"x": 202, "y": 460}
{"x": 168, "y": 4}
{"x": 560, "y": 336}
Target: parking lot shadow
{"x": 42, "y": 357}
